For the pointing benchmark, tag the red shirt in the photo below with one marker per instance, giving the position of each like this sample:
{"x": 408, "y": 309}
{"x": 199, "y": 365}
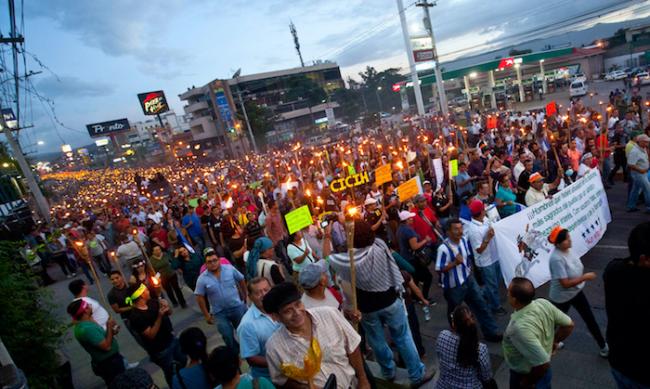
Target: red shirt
{"x": 421, "y": 226}
{"x": 602, "y": 138}
{"x": 161, "y": 235}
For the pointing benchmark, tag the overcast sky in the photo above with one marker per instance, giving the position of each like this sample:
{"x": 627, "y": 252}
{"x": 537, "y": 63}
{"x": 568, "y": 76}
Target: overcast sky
{"x": 101, "y": 53}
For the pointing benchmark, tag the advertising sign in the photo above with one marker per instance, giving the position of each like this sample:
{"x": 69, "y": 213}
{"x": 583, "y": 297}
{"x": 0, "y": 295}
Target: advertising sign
{"x": 521, "y": 242}
{"x": 221, "y": 99}
{"x": 10, "y": 118}
{"x": 422, "y": 48}
{"x": 104, "y": 128}
{"x": 153, "y": 103}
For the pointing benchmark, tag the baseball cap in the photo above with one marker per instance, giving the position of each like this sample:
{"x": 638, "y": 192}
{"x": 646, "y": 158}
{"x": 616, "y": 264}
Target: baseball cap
{"x": 209, "y": 251}
{"x": 535, "y": 177}
{"x": 279, "y": 296}
{"x": 370, "y": 201}
{"x": 310, "y": 274}
{"x": 405, "y": 215}
{"x": 476, "y": 207}
{"x": 426, "y": 182}
{"x": 585, "y": 156}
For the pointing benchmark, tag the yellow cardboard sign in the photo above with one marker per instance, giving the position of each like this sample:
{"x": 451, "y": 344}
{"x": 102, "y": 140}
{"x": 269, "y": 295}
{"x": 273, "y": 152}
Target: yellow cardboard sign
{"x": 383, "y": 174}
{"x": 349, "y": 182}
{"x": 453, "y": 168}
{"x": 298, "y": 219}
{"x": 408, "y": 189}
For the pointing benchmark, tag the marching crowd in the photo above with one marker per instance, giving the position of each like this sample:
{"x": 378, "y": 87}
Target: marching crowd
{"x": 298, "y": 310}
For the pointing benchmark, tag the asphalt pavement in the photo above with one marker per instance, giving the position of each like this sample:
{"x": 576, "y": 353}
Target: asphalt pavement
{"x": 577, "y": 366}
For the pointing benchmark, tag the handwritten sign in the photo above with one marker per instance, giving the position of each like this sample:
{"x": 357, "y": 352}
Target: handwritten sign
{"x": 409, "y": 189}
{"x": 437, "y": 168}
{"x": 349, "y": 182}
{"x": 383, "y": 174}
{"x": 298, "y": 219}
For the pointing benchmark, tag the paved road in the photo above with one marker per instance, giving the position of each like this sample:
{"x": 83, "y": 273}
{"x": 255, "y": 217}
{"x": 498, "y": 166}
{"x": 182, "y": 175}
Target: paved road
{"x": 577, "y": 366}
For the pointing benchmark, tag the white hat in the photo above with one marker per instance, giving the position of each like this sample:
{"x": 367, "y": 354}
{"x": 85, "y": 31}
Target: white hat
{"x": 370, "y": 201}
{"x": 405, "y": 215}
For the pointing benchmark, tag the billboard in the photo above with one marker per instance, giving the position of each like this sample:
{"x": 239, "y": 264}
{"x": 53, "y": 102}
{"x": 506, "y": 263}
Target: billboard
{"x": 153, "y": 103}
{"x": 422, "y": 48}
{"x": 10, "y": 118}
{"x": 104, "y": 128}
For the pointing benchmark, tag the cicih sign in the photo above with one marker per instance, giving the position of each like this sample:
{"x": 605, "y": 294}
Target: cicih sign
{"x": 349, "y": 182}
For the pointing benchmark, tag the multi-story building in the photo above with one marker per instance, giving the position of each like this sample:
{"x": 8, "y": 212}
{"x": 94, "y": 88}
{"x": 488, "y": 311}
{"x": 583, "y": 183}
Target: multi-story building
{"x": 213, "y": 107}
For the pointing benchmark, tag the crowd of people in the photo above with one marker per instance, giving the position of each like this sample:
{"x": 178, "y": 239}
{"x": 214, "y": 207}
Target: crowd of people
{"x": 297, "y": 309}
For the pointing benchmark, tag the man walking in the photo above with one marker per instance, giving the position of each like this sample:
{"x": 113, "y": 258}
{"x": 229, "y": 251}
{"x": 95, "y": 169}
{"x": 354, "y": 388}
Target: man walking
{"x": 480, "y": 235}
{"x": 534, "y": 332}
{"x": 255, "y": 328}
{"x": 224, "y": 288}
{"x": 454, "y": 262}
{"x": 637, "y": 163}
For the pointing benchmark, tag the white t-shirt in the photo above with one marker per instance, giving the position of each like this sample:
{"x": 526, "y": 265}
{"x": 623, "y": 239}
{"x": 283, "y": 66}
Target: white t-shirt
{"x": 100, "y": 316}
{"x": 582, "y": 170}
{"x": 329, "y": 301}
{"x": 294, "y": 251}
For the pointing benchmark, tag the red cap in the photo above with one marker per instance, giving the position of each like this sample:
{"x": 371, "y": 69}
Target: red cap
{"x": 476, "y": 207}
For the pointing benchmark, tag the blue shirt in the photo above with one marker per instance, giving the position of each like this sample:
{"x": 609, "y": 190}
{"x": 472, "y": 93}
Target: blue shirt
{"x": 404, "y": 234}
{"x": 505, "y": 195}
{"x": 457, "y": 275}
{"x": 193, "y": 377}
{"x": 463, "y": 176}
{"x": 222, "y": 292}
{"x": 464, "y": 212}
{"x": 195, "y": 228}
{"x": 254, "y": 330}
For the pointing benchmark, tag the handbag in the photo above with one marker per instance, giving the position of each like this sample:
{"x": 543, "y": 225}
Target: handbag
{"x": 423, "y": 255}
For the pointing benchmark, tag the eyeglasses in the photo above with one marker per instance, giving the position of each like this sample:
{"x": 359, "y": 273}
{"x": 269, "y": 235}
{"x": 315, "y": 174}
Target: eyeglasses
{"x": 211, "y": 261}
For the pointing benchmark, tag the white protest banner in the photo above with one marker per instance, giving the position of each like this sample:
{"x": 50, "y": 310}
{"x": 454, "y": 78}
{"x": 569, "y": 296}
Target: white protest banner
{"x": 520, "y": 240}
{"x": 440, "y": 174}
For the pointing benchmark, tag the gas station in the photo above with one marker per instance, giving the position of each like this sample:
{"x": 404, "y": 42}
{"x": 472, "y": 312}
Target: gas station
{"x": 496, "y": 84}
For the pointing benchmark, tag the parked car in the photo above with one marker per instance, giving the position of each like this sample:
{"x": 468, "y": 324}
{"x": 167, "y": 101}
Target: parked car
{"x": 615, "y": 75}
{"x": 579, "y": 77}
{"x": 642, "y": 78}
{"x": 578, "y": 88}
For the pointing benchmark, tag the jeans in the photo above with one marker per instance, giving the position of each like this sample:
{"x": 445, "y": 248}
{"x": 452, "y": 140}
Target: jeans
{"x": 199, "y": 243}
{"x": 581, "y": 305}
{"x": 102, "y": 263}
{"x": 491, "y": 275}
{"x": 84, "y": 266}
{"x": 168, "y": 357}
{"x": 623, "y": 382}
{"x": 394, "y": 317}
{"x": 109, "y": 368}
{"x": 543, "y": 383}
{"x": 227, "y": 323}
{"x": 422, "y": 274}
{"x": 640, "y": 183}
{"x": 470, "y": 293}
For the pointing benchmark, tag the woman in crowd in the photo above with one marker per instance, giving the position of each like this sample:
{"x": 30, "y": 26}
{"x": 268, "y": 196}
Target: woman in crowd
{"x": 161, "y": 263}
{"x": 189, "y": 264}
{"x": 464, "y": 362}
{"x": 194, "y": 375}
{"x": 567, "y": 282}
{"x": 300, "y": 252}
{"x": 505, "y": 196}
{"x": 261, "y": 262}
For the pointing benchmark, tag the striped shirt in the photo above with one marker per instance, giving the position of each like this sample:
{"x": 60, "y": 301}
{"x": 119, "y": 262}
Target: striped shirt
{"x": 336, "y": 338}
{"x": 447, "y": 252}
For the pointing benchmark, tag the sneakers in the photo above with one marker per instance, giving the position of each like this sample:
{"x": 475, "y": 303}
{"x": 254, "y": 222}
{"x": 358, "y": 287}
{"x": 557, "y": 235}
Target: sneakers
{"x": 428, "y": 376}
{"x": 427, "y": 313}
{"x": 604, "y": 352}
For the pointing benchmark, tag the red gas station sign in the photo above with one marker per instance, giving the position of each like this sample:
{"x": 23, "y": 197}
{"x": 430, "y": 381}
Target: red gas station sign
{"x": 396, "y": 87}
{"x": 506, "y": 63}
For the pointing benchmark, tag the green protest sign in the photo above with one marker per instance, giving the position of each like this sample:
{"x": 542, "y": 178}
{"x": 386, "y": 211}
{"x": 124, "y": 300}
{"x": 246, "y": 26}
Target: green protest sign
{"x": 453, "y": 168}
{"x": 298, "y": 219}
{"x": 193, "y": 202}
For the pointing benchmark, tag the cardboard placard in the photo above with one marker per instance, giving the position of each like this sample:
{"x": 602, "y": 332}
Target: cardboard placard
{"x": 437, "y": 168}
{"x": 383, "y": 174}
{"x": 298, "y": 219}
{"x": 193, "y": 202}
{"x": 409, "y": 189}
{"x": 349, "y": 182}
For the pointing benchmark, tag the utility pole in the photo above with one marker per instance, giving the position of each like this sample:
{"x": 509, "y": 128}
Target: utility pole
{"x": 409, "y": 55}
{"x": 41, "y": 201}
{"x": 292, "y": 28}
{"x": 243, "y": 108}
{"x": 439, "y": 82}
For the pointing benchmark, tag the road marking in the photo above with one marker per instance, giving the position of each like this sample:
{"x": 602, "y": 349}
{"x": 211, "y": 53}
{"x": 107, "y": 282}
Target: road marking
{"x": 613, "y": 247}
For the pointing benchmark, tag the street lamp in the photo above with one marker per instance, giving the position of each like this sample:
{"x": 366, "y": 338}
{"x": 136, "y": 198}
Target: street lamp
{"x": 379, "y": 98}
{"x": 40, "y": 143}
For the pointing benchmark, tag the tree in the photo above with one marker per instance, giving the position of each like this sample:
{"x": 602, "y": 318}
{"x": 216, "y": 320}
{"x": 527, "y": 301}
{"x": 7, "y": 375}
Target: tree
{"x": 377, "y": 88}
{"x": 303, "y": 88}
{"x": 261, "y": 119}
{"x": 28, "y": 327}
{"x": 349, "y": 101}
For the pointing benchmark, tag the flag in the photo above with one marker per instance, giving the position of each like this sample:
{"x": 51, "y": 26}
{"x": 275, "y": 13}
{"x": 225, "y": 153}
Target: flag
{"x": 551, "y": 108}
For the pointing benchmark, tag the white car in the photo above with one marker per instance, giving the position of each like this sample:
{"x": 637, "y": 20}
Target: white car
{"x": 615, "y": 75}
{"x": 642, "y": 78}
{"x": 579, "y": 77}
{"x": 578, "y": 88}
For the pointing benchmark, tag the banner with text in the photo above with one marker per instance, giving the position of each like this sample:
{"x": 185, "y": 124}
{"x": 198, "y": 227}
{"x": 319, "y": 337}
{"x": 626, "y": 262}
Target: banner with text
{"x": 520, "y": 240}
